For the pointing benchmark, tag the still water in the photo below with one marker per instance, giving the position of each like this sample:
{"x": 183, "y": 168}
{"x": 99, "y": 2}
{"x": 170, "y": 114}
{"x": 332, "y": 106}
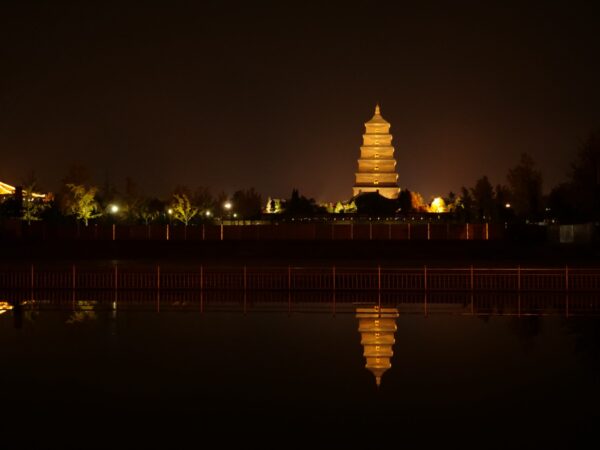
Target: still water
{"x": 137, "y": 372}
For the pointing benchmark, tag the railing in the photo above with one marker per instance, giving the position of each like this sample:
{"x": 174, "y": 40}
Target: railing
{"x": 425, "y": 303}
{"x": 372, "y": 231}
{"x": 339, "y": 279}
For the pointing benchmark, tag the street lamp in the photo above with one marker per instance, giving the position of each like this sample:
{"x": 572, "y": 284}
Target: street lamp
{"x": 114, "y": 209}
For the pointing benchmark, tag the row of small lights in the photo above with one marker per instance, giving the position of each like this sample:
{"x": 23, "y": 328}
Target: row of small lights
{"x": 227, "y": 205}
{"x": 114, "y": 209}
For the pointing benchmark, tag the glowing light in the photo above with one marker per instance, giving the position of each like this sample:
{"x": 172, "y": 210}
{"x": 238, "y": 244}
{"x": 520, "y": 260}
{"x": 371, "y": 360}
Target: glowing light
{"x": 170, "y": 211}
{"x": 114, "y": 209}
{"x": 234, "y": 215}
{"x": 507, "y": 205}
{"x": 207, "y": 213}
{"x": 438, "y": 205}
{"x": 5, "y": 306}
{"x": 227, "y": 206}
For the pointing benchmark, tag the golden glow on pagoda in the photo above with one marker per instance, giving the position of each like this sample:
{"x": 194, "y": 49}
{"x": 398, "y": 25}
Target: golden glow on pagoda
{"x": 377, "y": 166}
{"x": 377, "y": 327}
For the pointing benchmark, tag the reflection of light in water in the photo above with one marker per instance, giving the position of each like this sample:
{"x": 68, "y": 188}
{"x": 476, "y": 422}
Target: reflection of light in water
{"x": 84, "y": 310}
{"x": 5, "y": 306}
{"x": 377, "y": 327}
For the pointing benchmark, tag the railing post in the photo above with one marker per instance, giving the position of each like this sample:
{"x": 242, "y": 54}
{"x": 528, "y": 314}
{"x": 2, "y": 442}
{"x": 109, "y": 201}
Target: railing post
{"x": 158, "y": 277}
{"x": 379, "y": 285}
{"x": 487, "y": 231}
{"x": 467, "y": 231}
{"x": 221, "y": 231}
{"x": 32, "y": 281}
{"x": 333, "y": 278}
{"x": 114, "y": 232}
{"x": 428, "y": 231}
{"x": 472, "y": 280}
{"x": 167, "y": 232}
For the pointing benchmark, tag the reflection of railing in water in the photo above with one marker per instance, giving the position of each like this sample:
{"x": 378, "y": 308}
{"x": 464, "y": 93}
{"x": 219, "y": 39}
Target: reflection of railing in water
{"x": 424, "y": 279}
{"x": 431, "y": 303}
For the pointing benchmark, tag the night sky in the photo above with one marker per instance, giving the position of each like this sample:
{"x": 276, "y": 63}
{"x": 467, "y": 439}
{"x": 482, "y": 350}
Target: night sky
{"x": 232, "y": 96}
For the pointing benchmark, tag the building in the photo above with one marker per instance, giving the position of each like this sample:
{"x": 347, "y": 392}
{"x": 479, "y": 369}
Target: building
{"x": 8, "y": 190}
{"x": 377, "y": 166}
{"x": 377, "y": 327}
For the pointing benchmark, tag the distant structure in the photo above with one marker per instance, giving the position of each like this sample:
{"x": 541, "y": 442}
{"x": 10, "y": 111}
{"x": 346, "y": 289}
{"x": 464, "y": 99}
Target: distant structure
{"x": 8, "y": 190}
{"x": 377, "y": 327}
{"x": 377, "y": 166}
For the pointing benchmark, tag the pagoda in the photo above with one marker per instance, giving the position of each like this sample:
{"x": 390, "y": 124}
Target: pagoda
{"x": 377, "y": 327}
{"x": 377, "y": 166}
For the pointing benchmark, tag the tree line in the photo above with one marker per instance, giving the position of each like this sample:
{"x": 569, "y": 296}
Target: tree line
{"x": 519, "y": 199}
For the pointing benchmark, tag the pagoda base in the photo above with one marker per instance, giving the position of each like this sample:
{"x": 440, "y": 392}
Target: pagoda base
{"x": 390, "y": 192}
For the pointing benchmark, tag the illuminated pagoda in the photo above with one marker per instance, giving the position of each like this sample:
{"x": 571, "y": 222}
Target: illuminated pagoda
{"x": 377, "y": 327}
{"x": 377, "y": 166}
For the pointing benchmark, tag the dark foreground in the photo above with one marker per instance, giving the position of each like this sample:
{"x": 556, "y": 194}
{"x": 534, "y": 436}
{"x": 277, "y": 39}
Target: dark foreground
{"x": 350, "y": 253}
{"x": 78, "y": 376}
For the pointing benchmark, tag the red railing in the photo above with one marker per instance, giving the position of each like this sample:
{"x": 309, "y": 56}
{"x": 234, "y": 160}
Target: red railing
{"x": 426, "y": 279}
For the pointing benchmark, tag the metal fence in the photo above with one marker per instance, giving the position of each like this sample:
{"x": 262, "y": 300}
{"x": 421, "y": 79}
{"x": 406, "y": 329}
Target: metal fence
{"x": 375, "y": 231}
{"x": 341, "y": 279}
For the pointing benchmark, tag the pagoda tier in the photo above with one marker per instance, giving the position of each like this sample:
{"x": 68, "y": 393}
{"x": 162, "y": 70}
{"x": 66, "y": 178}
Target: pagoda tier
{"x": 377, "y": 327}
{"x": 377, "y": 166}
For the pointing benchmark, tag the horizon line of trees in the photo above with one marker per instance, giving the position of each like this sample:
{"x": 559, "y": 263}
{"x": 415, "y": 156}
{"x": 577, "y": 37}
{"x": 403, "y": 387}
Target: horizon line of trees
{"x": 575, "y": 200}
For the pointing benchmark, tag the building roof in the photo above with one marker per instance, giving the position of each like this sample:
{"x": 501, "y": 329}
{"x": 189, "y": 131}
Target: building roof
{"x": 6, "y": 189}
{"x": 377, "y": 119}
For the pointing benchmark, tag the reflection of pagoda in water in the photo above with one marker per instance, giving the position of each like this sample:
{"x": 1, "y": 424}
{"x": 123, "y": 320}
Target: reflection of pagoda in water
{"x": 377, "y": 327}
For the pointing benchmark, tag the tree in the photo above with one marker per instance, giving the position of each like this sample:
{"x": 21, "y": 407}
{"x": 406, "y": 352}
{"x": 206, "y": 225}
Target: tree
{"x": 502, "y": 204}
{"x": 150, "y": 209}
{"x": 299, "y": 205}
{"x": 483, "y": 199}
{"x": 585, "y": 179}
{"x": 247, "y": 203}
{"x": 83, "y": 204}
{"x": 464, "y": 205}
{"x": 404, "y": 201}
{"x": 76, "y": 175}
{"x": 33, "y": 205}
{"x": 183, "y": 210}
{"x": 203, "y": 199}
{"x": 525, "y": 183}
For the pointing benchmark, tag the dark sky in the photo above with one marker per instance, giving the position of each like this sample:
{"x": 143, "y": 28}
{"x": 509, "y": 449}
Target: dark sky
{"x": 232, "y": 96}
